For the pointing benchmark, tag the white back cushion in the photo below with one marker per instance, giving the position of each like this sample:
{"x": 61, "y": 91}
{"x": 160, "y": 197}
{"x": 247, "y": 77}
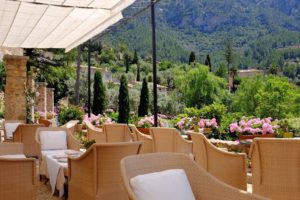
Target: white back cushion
{"x": 170, "y": 184}
{"x": 10, "y": 128}
{"x": 53, "y": 140}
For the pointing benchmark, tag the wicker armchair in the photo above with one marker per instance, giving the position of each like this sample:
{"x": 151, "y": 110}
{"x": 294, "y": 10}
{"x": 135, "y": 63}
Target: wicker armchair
{"x": 228, "y": 167}
{"x": 276, "y": 168}
{"x": 72, "y": 143}
{"x": 117, "y": 133}
{"x": 147, "y": 140}
{"x": 9, "y": 148}
{"x": 203, "y": 184}
{"x": 71, "y": 126}
{"x": 96, "y": 174}
{"x": 94, "y": 133}
{"x": 169, "y": 140}
{"x": 25, "y": 133}
{"x": 9, "y": 128}
{"x": 18, "y": 179}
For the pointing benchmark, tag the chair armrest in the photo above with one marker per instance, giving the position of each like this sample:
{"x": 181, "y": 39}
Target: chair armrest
{"x": 183, "y": 145}
{"x": 11, "y": 148}
{"x": 73, "y": 143}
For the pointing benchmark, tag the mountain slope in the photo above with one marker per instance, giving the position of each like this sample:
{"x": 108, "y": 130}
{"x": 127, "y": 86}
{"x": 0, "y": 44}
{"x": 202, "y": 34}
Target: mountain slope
{"x": 204, "y": 26}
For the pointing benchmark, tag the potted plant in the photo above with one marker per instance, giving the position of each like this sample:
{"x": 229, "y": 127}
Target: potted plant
{"x": 145, "y": 123}
{"x": 71, "y": 113}
{"x": 255, "y": 127}
{"x": 286, "y": 129}
{"x": 208, "y": 125}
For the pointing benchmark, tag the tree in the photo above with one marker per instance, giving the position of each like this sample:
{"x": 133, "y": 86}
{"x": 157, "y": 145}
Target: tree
{"x": 138, "y": 76}
{"x": 127, "y": 62}
{"x": 99, "y": 101}
{"x": 221, "y": 70}
{"x": 228, "y": 54}
{"x": 144, "y": 99}
{"x": 123, "y": 101}
{"x": 135, "y": 59}
{"x": 208, "y": 62}
{"x": 192, "y": 58}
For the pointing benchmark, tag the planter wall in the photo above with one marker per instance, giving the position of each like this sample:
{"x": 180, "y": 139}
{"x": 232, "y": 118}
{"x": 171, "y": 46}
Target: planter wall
{"x": 246, "y": 137}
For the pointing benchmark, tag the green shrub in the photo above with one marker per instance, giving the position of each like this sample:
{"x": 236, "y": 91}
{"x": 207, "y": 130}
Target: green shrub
{"x": 215, "y": 110}
{"x": 70, "y": 113}
{"x": 192, "y": 112}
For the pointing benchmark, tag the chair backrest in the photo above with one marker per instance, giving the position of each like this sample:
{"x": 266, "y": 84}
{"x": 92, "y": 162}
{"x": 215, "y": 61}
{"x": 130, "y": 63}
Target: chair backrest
{"x": 227, "y": 166}
{"x": 71, "y": 126}
{"x": 147, "y": 146}
{"x": 18, "y": 179}
{"x": 9, "y": 148}
{"x": 25, "y": 133}
{"x": 117, "y": 133}
{"x": 203, "y": 184}
{"x": 276, "y": 168}
{"x": 45, "y": 122}
{"x": 169, "y": 140}
{"x": 9, "y": 128}
{"x": 104, "y": 160}
{"x": 94, "y": 133}
{"x": 72, "y": 142}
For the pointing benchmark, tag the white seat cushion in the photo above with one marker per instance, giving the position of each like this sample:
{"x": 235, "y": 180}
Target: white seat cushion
{"x": 10, "y": 128}
{"x": 13, "y": 156}
{"x": 170, "y": 184}
{"x": 53, "y": 140}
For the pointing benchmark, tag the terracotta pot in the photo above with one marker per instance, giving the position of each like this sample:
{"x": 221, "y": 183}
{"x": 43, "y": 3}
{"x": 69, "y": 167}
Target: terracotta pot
{"x": 144, "y": 130}
{"x": 207, "y": 130}
{"x": 246, "y": 137}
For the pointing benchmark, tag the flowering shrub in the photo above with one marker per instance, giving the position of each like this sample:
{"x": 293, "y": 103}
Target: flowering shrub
{"x": 146, "y": 122}
{"x": 208, "y": 123}
{"x": 98, "y": 119}
{"x": 185, "y": 123}
{"x": 254, "y": 126}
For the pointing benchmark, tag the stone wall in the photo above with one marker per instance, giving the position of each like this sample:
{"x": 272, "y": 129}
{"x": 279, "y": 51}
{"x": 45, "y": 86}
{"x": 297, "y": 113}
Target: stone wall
{"x": 41, "y": 99}
{"x": 50, "y": 100}
{"x": 15, "y": 88}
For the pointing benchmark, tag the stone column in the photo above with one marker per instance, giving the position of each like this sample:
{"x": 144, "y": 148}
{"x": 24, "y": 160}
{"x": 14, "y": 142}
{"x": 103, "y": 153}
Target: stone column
{"x": 41, "y": 100}
{"x": 15, "y": 87}
{"x": 31, "y": 100}
{"x": 50, "y": 99}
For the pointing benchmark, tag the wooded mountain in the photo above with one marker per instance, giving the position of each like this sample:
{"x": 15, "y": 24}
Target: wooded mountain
{"x": 256, "y": 27}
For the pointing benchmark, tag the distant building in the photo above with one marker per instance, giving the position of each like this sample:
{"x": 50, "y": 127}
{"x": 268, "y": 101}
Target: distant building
{"x": 245, "y": 73}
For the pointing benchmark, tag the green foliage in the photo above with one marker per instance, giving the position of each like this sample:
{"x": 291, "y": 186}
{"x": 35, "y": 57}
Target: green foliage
{"x": 138, "y": 76}
{"x": 123, "y": 101}
{"x": 200, "y": 87}
{"x": 87, "y": 144}
{"x": 221, "y": 71}
{"x": 2, "y": 75}
{"x": 215, "y": 110}
{"x": 244, "y": 99}
{"x": 70, "y": 113}
{"x": 99, "y": 101}
{"x": 144, "y": 100}
{"x": 275, "y": 98}
{"x": 208, "y": 62}
{"x": 192, "y": 57}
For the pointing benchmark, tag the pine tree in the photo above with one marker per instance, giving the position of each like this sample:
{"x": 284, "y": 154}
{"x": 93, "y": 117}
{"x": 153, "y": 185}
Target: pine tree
{"x": 135, "y": 59}
{"x": 228, "y": 54}
{"x": 99, "y": 101}
{"x": 123, "y": 101}
{"x": 144, "y": 99}
{"x": 192, "y": 58}
{"x": 138, "y": 76}
{"x": 208, "y": 62}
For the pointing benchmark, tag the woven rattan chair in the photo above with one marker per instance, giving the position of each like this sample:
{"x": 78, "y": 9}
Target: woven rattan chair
{"x": 203, "y": 184}
{"x": 228, "y": 167}
{"x": 71, "y": 126}
{"x": 94, "y": 133}
{"x": 276, "y": 168}
{"x": 169, "y": 140}
{"x": 9, "y": 148}
{"x": 96, "y": 174}
{"x": 72, "y": 143}
{"x": 117, "y": 133}
{"x": 147, "y": 140}
{"x": 25, "y": 133}
{"x": 9, "y": 128}
{"x": 17, "y": 179}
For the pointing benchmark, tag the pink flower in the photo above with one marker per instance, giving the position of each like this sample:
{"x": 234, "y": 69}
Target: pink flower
{"x": 201, "y": 123}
